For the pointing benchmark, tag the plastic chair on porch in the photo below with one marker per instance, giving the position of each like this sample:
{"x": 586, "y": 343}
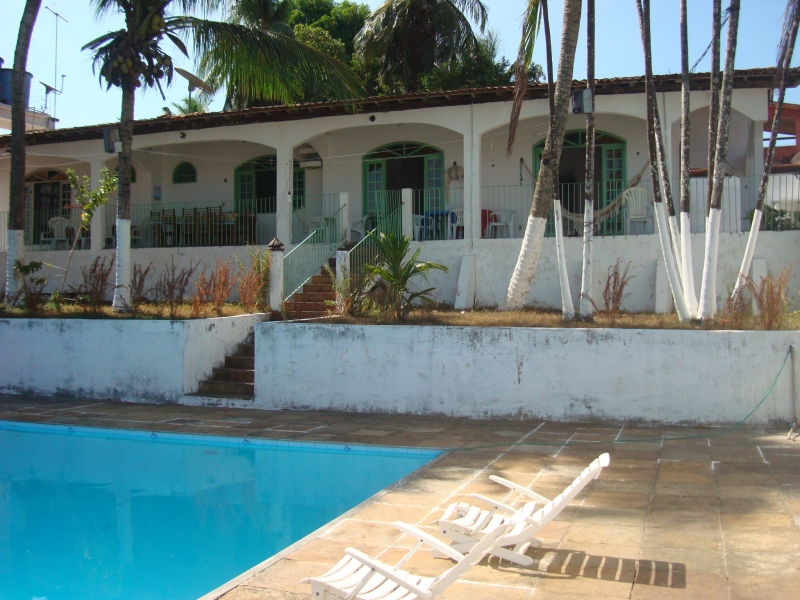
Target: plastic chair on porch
{"x": 503, "y": 220}
{"x": 635, "y": 201}
{"x": 456, "y": 223}
{"x": 57, "y": 233}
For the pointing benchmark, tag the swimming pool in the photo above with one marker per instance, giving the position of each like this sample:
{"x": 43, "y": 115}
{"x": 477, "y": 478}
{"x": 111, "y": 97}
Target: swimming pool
{"x": 96, "y": 513}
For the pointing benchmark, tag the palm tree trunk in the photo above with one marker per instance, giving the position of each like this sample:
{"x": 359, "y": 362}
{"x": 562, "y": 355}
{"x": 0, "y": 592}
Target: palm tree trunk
{"x": 708, "y": 298}
{"x": 643, "y": 9}
{"x": 531, "y": 250}
{"x": 123, "y": 225}
{"x": 687, "y": 268}
{"x": 713, "y": 107}
{"x": 16, "y": 196}
{"x": 585, "y": 307}
{"x": 784, "y": 62}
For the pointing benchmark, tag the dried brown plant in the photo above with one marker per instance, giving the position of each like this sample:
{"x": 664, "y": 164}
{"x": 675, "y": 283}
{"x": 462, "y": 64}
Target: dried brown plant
{"x": 139, "y": 289}
{"x": 771, "y": 298}
{"x": 614, "y": 292}
{"x": 31, "y": 291}
{"x": 735, "y": 312}
{"x": 213, "y": 290}
{"x": 96, "y": 286}
{"x": 172, "y": 284}
{"x": 254, "y": 280}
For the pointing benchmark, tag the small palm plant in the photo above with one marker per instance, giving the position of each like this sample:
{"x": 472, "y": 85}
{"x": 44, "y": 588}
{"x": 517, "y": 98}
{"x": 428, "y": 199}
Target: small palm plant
{"x": 395, "y": 272}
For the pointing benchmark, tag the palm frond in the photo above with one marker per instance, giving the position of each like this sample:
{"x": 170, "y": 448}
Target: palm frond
{"x": 531, "y": 23}
{"x": 264, "y": 64}
{"x": 475, "y": 9}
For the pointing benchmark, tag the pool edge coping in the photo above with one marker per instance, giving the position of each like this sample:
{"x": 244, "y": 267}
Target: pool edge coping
{"x": 317, "y": 533}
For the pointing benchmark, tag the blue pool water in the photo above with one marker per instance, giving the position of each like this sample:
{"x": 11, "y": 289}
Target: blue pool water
{"x": 94, "y": 514}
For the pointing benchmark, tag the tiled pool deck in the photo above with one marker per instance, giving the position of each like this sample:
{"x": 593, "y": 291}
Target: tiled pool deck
{"x": 699, "y": 518}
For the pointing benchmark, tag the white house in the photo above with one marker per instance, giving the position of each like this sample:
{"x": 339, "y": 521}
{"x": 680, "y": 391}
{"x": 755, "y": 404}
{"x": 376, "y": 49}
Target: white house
{"x": 207, "y": 183}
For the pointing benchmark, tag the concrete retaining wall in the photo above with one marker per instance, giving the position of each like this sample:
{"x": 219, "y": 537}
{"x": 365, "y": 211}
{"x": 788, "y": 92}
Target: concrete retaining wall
{"x": 559, "y": 374}
{"x": 134, "y": 360}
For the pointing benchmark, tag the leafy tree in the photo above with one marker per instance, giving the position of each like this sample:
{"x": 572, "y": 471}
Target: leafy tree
{"x": 409, "y": 37}
{"x": 343, "y": 20}
{"x": 480, "y": 68}
{"x": 321, "y": 40}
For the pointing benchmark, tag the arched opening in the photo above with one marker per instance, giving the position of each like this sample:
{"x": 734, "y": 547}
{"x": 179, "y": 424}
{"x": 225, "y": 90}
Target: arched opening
{"x": 256, "y": 185}
{"x": 184, "y": 172}
{"x": 403, "y": 165}
{"x": 610, "y": 174}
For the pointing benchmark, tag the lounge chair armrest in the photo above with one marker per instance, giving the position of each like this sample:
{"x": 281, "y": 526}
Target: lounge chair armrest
{"x": 387, "y": 572}
{"x": 428, "y": 539}
{"x": 520, "y": 489}
{"x": 496, "y": 505}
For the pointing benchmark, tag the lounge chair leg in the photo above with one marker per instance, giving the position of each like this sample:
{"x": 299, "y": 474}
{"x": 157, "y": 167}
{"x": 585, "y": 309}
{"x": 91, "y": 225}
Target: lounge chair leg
{"x": 510, "y": 555}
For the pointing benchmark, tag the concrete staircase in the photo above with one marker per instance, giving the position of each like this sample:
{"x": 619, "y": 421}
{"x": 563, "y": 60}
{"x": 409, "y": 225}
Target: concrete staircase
{"x": 237, "y": 378}
{"x": 310, "y": 302}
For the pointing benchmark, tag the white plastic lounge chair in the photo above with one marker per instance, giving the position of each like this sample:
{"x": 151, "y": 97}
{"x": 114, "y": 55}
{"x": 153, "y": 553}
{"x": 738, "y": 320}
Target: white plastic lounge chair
{"x": 466, "y": 524}
{"x": 359, "y": 577}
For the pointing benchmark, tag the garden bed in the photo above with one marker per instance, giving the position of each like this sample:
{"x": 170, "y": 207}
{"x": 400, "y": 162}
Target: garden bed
{"x": 490, "y": 317}
{"x": 147, "y": 311}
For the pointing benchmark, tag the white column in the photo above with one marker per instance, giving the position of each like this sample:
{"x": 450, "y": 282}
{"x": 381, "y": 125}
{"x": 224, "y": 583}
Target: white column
{"x": 276, "y": 275}
{"x": 98, "y": 232}
{"x": 283, "y": 209}
{"x": 407, "y": 212}
{"x": 344, "y": 214}
{"x": 468, "y": 188}
{"x": 472, "y": 188}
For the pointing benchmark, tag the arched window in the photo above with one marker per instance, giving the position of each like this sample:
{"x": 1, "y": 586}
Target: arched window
{"x": 184, "y": 173}
{"x": 133, "y": 173}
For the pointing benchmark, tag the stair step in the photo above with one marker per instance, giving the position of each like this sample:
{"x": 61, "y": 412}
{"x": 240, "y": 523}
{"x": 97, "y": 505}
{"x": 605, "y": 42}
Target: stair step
{"x": 246, "y": 350}
{"x": 316, "y": 288}
{"x": 228, "y": 389}
{"x": 321, "y": 279}
{"x": 240, "y": 362}
{"x": 313, "y": 296}
{"x": 232, "y": 374}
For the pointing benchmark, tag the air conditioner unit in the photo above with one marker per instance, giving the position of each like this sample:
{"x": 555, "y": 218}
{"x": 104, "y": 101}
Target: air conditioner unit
{"x": 314, "y": 163}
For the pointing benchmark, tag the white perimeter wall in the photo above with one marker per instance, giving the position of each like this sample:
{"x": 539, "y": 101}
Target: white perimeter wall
{"x": 495, "y": 260}
{"x": 559, "y": 374}
{"x": 133, "y": 360}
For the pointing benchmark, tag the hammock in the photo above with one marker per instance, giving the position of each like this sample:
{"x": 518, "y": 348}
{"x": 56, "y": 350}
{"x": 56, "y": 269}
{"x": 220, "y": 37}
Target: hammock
{"x": 609, "y": 208}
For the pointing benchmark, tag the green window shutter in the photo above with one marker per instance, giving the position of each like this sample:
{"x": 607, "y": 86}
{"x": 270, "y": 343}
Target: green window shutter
{"x": 133, "y": 173}
{"x": 185, "y": 172}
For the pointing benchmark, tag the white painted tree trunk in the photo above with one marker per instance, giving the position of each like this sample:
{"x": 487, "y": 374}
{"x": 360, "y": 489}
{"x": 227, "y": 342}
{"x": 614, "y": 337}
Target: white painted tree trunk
{"x": 747, "y": 259}
{"x": 527, "y": 262}
{"x": 707, "y": 307}
{"x": 587, "y": 280}
{"x": 669, "y": 262}
{"x": 122, "y": 292}
{"x": 15, "y": 251}
{"x": 567, "y": 308}
{"x": 675, "y": 236}
{"x": 687, "y": 267}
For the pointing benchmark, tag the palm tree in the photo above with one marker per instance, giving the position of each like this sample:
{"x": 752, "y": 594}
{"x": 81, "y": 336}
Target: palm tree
{"x": 791, "y": 21}
{"x": 653, "y": 127}
{"x": 586, "y": 307}
{"x": 707, "y": 306}
{"x": 687, "y": 268}
{"x": 190, "y": 106}
{"x": 16, "y": 209}
{"x": 410, "y": 37}
{"x": 713, "y": 106}
{"x": 544, "y": 192}
{"x": 258, "y": 63}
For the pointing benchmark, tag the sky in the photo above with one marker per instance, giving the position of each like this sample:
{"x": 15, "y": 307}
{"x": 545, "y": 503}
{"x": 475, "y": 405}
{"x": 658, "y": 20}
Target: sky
{"x": 618, "y": 48}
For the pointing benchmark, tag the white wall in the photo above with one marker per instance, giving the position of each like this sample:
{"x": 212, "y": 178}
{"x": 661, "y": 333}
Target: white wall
{"x": 556, "y": 374}
{"x": 133, "y": 360}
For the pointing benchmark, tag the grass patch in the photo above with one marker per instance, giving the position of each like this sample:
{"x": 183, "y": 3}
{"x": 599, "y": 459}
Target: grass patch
{"x": 550, "y": 318}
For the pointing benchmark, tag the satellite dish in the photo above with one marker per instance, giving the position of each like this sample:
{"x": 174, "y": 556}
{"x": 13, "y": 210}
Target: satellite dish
{"x": 195, "y": 83}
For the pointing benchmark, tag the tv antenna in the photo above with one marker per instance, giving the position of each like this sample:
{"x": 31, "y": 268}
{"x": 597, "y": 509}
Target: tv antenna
{"x": 195, "y": 83}
{"x": 52, "y": 88}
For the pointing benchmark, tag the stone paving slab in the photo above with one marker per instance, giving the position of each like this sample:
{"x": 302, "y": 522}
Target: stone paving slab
{"x": 698, "y": 517}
